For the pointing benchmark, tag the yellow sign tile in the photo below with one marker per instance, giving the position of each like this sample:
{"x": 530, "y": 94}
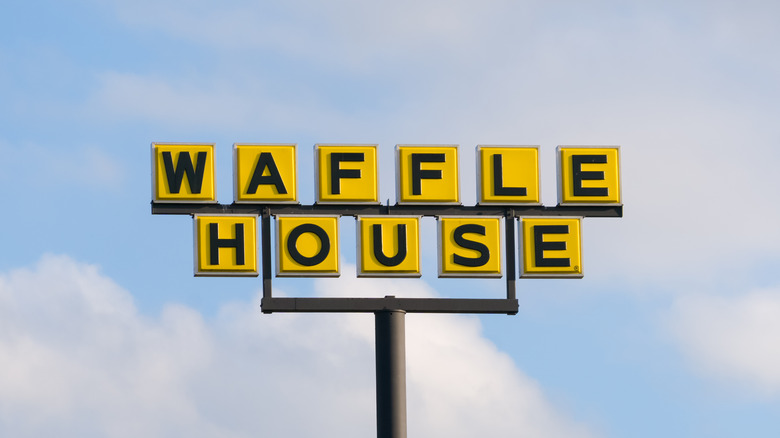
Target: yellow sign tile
{"x": 427, "y": 174}
{"x": 265, "y": 173}
{"x": 588, "y": 175}
{"x": 183, "y": 172}
{"x": 388, "y": 246}
{"x": 508, "y": 175}
{"x": 307, "y": 246}
{"x": 346, "y": 174}
{"x": 469, "y": 246}
{"x": 225, "y": 245}
{"x": 551, "y": 248}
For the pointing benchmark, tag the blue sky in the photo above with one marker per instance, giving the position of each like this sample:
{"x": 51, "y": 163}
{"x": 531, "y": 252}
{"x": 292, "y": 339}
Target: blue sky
{"x": 674, "y": 331}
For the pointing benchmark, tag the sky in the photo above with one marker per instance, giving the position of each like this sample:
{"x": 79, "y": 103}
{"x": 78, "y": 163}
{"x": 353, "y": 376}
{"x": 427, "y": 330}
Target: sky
{"x": 673, "y": 331}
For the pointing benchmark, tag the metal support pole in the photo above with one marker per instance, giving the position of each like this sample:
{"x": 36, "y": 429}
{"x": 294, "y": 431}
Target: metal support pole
{"x": 510, "y": 248}
{"x": 390, "y": 374}
{"x": 265, "y": 238}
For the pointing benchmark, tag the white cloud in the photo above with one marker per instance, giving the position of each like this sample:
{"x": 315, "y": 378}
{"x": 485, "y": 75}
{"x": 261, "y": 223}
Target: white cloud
{"x": 79, "y": 360}
{"x": 486, "y": 395}
{"x": 736, "y": 339}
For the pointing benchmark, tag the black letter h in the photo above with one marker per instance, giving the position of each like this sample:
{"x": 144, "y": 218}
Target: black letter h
{"x": 215, "y": 243}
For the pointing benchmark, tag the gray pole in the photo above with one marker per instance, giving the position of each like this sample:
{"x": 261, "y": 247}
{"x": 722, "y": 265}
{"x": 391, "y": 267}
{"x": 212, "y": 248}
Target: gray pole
{"x": 390, "y": 374}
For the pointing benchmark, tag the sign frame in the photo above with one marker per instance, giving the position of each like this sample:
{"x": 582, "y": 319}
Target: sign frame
{"x": 317, "y": 158}
{"x": 236, "y": 182}
{"x": 398, "y": 179}
{"x": 522, "y": 245}
{"x": 390, "y": 274}
{"x": 184, "y": 201}
{"x": 439, "y": 231}
{"x": 313, "y": 273}
{"x": 559, "y": 167}
{"x": 200, "y": 273}
{"x": 478, "y": 162}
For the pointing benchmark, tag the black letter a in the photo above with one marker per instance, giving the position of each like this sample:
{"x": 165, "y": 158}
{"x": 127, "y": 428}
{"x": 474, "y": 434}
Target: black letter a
{"x": 266, "y": 161}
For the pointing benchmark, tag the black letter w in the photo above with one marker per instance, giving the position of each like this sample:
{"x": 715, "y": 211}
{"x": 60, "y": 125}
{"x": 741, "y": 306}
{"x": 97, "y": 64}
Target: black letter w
{"x": 175, "y": 175}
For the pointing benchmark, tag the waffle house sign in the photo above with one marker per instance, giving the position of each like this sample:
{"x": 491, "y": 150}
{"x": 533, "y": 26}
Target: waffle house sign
{"x": 346, "y": 183}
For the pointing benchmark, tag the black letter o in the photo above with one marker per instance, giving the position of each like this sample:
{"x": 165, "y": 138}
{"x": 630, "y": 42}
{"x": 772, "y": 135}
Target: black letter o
{"x": 292, "y": 240}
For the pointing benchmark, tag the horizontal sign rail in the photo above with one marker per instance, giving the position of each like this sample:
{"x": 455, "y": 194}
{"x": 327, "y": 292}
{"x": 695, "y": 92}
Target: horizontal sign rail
{"x": 409, "y": 305}
{"x": 608, "y": 211}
